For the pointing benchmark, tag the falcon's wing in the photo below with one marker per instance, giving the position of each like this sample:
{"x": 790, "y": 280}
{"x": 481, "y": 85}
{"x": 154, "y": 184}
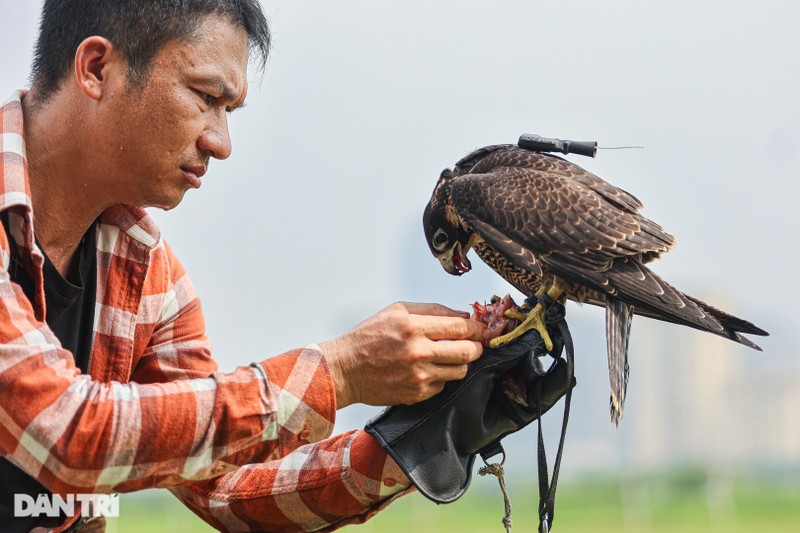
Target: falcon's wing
{"x": 558, "y": 212}
{"x": 576, "y": 232}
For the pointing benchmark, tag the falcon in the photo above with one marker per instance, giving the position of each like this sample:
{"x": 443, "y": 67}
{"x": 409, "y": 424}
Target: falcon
{"x": 550, "y": 227}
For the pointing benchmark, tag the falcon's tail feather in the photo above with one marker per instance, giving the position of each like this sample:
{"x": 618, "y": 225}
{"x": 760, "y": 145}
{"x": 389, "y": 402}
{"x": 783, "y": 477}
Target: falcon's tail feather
{"x": 734, "y": 325}
{"x": 619, "y": 317}
{"x": 730, "y": 332}
{"x": 654, "y": 297}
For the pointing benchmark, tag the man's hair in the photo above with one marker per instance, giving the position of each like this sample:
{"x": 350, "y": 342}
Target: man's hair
{"x": 138, "y": 28}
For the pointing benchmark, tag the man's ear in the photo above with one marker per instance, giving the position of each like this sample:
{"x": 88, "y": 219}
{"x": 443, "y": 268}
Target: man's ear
{"x": 95, "y": 60}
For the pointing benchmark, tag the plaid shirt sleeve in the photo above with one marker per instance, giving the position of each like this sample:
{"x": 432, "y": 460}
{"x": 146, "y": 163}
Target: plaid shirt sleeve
{"x": 343, "y": 480}
{"x": 297, "y": 387}
{"x": 294, "y": 483}
{"x": 170, "y": 426}
{"x": 75, "y": 434}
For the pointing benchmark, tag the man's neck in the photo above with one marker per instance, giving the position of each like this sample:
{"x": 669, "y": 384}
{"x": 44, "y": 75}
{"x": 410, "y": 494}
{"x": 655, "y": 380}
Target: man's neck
{"x": 65, "y": 199}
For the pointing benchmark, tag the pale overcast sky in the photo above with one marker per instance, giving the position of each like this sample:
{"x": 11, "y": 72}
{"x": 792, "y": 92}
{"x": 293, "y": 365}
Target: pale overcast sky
{"x": 314, "y": 222}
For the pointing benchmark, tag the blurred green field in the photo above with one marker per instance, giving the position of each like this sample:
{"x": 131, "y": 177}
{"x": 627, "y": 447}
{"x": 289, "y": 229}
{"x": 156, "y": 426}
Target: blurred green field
{"x": 686, "y": 501}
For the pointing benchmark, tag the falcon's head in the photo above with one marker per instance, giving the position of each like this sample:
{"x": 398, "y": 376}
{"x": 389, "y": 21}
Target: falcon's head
{"x": 448, "y": 237}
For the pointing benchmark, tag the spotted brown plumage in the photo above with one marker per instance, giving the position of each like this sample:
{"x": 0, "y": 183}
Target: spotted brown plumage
{"x": 545, "y": 224}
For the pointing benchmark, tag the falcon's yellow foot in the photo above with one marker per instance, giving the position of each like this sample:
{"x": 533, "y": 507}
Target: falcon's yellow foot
{"x": 532, "y": 320}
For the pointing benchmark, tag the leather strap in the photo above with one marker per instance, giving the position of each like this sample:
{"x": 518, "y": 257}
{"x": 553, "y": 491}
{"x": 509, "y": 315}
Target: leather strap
{"x": 547, "y": 487}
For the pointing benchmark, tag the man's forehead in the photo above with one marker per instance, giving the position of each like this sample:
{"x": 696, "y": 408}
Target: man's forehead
{"x": 217, "y": 31}
{"x": 216, "y": 55}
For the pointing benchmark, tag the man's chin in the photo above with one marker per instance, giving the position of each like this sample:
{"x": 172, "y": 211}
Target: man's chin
{"x": 167, "y": 204}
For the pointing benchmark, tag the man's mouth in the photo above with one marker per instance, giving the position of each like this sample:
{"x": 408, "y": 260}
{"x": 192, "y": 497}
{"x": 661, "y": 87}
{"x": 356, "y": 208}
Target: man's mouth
{"x": 460, "y": 260}
{"x": 193, "y": 175}
{"x": 197, "y": 170}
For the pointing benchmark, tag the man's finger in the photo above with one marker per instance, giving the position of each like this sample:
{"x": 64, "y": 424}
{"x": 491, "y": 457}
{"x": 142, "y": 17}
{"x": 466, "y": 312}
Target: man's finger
{"x": 431, "y": 309}
{"x": 455, "y": 353}
{"x": 439, "y": 328}
{"x": 450, "y": 372}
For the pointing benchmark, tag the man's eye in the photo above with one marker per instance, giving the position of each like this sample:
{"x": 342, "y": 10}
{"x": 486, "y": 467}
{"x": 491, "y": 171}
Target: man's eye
{"x": 207, "y": 98}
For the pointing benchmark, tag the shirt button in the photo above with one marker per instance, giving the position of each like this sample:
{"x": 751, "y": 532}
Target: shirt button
{"x": 390, "y": 482}
{"x": 219, "y": 469}
{"x": 304, "y": 435}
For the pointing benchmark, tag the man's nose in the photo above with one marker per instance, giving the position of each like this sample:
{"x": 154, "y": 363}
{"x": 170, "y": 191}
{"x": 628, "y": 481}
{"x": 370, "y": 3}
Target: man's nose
{"x": 215, "y": 139}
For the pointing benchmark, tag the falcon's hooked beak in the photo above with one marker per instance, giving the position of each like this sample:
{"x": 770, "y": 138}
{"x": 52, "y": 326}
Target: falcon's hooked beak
{"x": 455, "y": 261}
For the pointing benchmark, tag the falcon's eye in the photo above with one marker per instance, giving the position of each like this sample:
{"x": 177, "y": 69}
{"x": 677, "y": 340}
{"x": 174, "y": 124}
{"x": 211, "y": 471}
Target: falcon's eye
{"x": 440, "y": 239}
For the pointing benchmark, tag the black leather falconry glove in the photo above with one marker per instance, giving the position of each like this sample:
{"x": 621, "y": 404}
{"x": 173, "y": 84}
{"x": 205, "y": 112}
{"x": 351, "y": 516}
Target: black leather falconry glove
{"x": 435, "y": 441}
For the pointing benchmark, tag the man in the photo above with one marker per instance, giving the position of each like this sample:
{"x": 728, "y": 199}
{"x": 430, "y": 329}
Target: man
{"x": 106, "y": 380}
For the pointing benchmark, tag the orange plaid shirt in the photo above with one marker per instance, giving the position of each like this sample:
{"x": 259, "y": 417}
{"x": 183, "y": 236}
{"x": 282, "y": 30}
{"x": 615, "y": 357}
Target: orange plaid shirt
{"x": 248, "y": 450}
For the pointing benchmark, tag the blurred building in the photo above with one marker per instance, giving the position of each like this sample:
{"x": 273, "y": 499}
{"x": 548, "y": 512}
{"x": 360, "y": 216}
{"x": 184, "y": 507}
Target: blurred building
{"x": 698, "y": 399}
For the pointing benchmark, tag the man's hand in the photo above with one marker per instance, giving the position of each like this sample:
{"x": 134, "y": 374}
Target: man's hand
{"x": 403, "y": 355}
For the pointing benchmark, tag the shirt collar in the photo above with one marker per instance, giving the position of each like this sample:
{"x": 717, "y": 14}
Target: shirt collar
{"x": 14, "y": 188}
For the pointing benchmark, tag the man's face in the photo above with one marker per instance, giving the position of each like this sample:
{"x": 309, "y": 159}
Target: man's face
{"x": 156, "y": 141}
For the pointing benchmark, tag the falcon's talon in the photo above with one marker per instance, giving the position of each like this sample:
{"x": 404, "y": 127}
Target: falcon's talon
{"x": 533, "y": 320}
{"x": 516, "y": 315}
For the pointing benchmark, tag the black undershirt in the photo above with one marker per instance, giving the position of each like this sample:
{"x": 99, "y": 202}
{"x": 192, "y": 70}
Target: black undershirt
{"x": 70, "y": 308}
{"x": 70, "y": 303}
